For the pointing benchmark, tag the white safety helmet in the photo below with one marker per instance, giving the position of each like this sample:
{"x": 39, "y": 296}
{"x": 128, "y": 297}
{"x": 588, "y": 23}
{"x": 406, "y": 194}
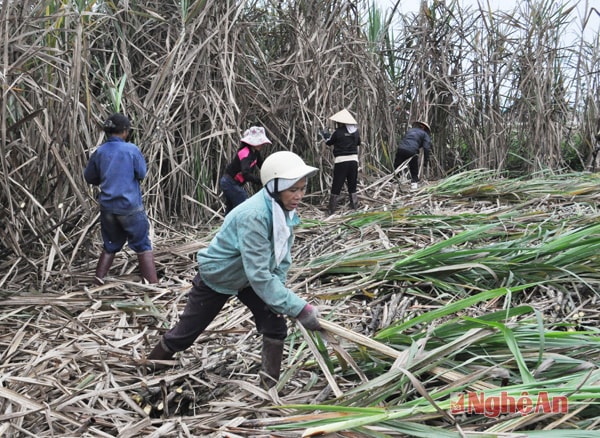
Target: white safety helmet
{"x": 285, "y": 165}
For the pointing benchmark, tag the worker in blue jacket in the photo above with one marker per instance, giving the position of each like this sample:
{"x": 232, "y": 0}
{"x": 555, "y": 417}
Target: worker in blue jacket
{"x": 118, "y": 167}
{"x": 249, "y": 257}
{"x": 416, "y": 138}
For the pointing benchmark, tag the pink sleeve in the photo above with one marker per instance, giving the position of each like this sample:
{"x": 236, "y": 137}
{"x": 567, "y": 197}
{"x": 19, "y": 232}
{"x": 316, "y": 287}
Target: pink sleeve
{"x": 243, "y": 153}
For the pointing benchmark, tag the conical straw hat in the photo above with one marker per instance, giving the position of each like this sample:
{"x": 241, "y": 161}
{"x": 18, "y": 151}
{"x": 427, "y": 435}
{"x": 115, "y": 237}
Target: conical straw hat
{"x": 425, "y": 124}
{"x": 344, "y": 117}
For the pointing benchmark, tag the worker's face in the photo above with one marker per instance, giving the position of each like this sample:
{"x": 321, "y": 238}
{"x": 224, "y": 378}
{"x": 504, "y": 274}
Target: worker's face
{"x": 291, "y": 197}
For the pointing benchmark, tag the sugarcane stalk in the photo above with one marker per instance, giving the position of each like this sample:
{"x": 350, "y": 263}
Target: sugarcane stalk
{"x": 357, "y": 338}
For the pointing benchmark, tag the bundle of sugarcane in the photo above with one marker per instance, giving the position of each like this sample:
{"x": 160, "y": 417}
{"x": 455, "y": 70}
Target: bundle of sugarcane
{"x": 166, "y": 399}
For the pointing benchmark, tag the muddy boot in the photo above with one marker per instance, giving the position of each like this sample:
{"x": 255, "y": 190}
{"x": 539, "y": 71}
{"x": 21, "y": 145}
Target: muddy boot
{"x": 272, "y": 354}
{"x": 333, "y": 200}
{"x": 160, "y": 352}
{"x": 147, "y": 267}
{"x": 353, "y": 201}
{"x": 104, "y": 263}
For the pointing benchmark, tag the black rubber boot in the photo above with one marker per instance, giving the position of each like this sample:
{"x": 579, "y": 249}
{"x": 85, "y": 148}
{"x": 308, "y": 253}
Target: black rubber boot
{"x": 104, "y": 263}
{"x": 333, "y": 200}
{"x": 147, "y": 266}
{"x": 353, "y": 201}
{"x": 272, "y": 354}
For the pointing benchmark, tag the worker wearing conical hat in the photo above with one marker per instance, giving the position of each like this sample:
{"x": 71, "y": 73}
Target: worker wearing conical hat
{"x": 345, "y": 141}
{"x": 416, "y": 138}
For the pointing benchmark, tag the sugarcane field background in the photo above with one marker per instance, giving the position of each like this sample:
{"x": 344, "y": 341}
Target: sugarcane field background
{"x": 465, "y": 308}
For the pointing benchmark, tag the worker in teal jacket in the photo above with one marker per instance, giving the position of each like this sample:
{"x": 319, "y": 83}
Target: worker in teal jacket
{"x": 249, "y": 257}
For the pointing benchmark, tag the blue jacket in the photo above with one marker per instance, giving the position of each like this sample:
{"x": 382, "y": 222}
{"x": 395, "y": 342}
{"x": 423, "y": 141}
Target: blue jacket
{"x": 117, "y": 167}
{"x": 242, "y": 254}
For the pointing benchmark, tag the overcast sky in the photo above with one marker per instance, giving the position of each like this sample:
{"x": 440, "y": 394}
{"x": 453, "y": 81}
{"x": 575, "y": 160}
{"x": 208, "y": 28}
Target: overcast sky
{"x": 592, "y": 27}
{"x": 413, "y": 5}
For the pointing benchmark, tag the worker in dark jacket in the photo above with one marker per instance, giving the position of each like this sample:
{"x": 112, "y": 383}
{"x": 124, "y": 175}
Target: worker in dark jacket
{"x": 118, "y": 167}
{"x": 242, "y": 168}
{"x": 345, "y": 141}
{"x": 416, "y": 138}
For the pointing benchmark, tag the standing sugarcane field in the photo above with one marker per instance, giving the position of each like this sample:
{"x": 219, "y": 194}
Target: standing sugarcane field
{"x": 273, "y": 218}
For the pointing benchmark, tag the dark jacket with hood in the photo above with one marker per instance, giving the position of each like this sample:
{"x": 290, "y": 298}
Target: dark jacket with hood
{"x": 415, "y": 139}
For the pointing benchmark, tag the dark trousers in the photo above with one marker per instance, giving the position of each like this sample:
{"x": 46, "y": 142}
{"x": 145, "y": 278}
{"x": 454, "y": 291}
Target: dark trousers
{"x": 233, "y": 192}
{"x": 204, "y": 304}
{"x": 413, "y": 165}
{"x": 347, "y": 172}
{"x": 133, "y": 228}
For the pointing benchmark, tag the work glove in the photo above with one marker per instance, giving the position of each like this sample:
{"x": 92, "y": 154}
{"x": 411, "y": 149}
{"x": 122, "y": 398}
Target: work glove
{"x": 325, "y": 134}
{"x": 308, "y": 317}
